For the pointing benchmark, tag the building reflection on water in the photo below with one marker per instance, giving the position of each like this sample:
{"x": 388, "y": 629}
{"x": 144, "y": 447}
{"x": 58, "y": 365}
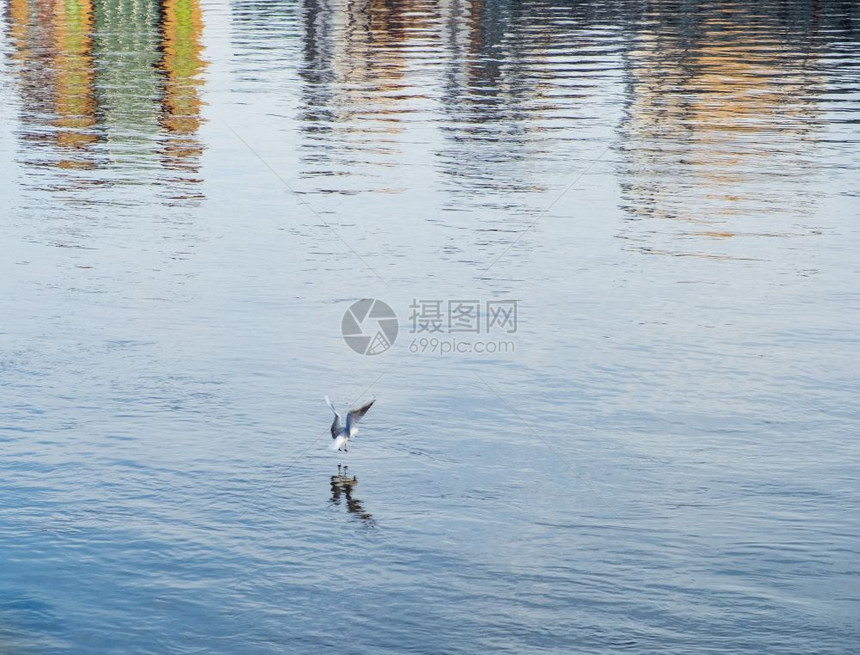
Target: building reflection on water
{"x": 110, "y": 87}
{"x": 75, "y": 77}
{"x": 721, "y": 128}
{"x": 502, "y": 101}
{"x": 356, "y": 99}
{"x": 496, "y": 94}
{"x": 369, "y": 82}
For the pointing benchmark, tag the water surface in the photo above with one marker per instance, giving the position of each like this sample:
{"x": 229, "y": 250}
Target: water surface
{"x": 192, "y": 194}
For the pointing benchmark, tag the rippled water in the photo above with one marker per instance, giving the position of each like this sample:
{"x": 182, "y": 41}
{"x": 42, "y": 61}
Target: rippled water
{"x": 193, "y": 194}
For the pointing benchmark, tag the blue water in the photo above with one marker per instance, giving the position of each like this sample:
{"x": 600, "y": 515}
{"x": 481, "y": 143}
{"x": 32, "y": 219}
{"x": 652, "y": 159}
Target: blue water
{"x": 662, "y": 457}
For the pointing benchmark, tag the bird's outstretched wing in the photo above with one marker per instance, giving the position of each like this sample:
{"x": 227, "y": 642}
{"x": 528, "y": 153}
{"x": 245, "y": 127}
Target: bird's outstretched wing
{"x": 335, "y": 426}
{"x": 354, "y": 415}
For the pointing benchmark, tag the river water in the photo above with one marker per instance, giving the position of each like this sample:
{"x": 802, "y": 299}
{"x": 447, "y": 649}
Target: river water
{"x": 620, "y": 240}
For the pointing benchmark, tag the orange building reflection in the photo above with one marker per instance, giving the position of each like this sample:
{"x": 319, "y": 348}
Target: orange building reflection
{"x": 75, "y": 77}
{"x": 52, "y": 56}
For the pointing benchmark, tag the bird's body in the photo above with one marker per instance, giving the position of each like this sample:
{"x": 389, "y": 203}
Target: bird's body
{"x": 341, "y": 435}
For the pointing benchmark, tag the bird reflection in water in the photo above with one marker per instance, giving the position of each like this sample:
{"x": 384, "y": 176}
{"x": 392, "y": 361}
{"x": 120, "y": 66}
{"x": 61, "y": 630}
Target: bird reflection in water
{"x": 341, "y": 487}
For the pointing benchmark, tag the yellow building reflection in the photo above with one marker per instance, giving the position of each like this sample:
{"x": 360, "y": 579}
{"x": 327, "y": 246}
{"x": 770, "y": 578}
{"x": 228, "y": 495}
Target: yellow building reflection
{"x": 718, "y": 135}
{"x": 181, "y": 105}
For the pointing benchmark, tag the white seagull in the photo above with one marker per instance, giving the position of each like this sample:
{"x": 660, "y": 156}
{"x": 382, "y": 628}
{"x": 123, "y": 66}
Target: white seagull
{"x": 342, "y": 435}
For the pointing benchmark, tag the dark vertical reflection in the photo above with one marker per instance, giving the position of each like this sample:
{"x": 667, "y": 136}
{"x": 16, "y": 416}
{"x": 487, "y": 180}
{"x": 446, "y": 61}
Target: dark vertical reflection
{"x": 520, "y": 111}
{"x": 366, "y": 75}
{"x": 494, "y": 93}
{"x": 488, "y": 82}
{"x": 109, "y": 92}
{"x": 356, "y": 96}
